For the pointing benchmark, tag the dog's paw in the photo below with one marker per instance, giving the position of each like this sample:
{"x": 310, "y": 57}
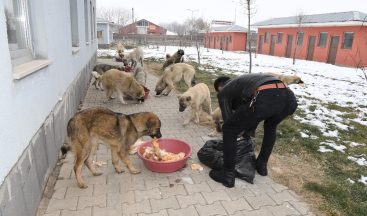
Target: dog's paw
{"x": 97, "y": 173}
{"x": 134, "y": 171}
{"x": 119, "y": 170}
{"x": 82, "y": 185}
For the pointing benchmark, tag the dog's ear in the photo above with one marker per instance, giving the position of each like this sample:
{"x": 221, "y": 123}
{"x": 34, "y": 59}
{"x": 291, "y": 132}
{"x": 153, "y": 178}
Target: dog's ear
{"x": 151, "y": 122}
{"x": 188, "y": 98}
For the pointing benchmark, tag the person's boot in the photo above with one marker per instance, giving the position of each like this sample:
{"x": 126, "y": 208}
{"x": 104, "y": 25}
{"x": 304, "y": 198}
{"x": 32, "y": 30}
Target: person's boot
{"x": 226, "y": 177}
{"x": 261, "y": 168}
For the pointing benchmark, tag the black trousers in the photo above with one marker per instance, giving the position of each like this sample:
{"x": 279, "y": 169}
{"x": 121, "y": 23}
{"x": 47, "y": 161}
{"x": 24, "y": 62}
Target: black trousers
{"x": 272, "y": 106}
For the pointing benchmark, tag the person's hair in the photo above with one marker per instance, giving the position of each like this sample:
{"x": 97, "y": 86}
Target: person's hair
{"x": 220, "y": 82}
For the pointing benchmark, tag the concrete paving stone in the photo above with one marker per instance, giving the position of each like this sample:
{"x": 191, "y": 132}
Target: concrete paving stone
{"x": 214, "y": 186}
{"x": 237, "y": 214}
{"x": 99, "y": 201}
{"x": 160, "y": 213}
{"x": 108, "y": 211}
{"x": 116, "y": 199}
{"x": 301, "y": 207}
{"x": 211, "y": 209}
{"x": 64, "y": 183}
{"x": 167, "y": 203}
{"x": 72, "y": 191}
{"x": 282, "y": 197}
{"x": 135, "y": 208}
{"x": 113, "y": 178}
{"x": 278, "y": 187}
{"x": 83, "y": 212}
{"x": 59, "y": 193}
{"x": 236, "y": 205}
{"x": 262, "y": 179}
{"x": 258, "y": 212}
{"x": 147, "y": 194}
{"x": 66, "y": 204}
{"x": 283, "y": 210}
{"x": 196, "y": 188}
{"x": 55, "y": 213}
{"x": 212, "y": 197}
{"x": 189, "y": 211}
{"x": 198, "y": 177}
{"x": 172, "y": 190}
{"x": 66, "y": 170}
{"x": 260, "y": 200}
{"x": 90, "y": 179}
{"x": 158, "y": 182}
{"x": 192, "y": 199}
{"x": 99, "y": 189}
{"x": 236, "y": 193}
{"x": 261, "y": 188}
{"x": 136, "y": 185}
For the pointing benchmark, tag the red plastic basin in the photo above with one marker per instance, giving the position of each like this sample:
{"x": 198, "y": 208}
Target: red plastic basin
{"x": 170, "y": 145}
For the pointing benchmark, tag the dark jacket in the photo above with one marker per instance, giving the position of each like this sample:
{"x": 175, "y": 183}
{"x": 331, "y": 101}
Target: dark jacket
{"x": 239, "y": 90}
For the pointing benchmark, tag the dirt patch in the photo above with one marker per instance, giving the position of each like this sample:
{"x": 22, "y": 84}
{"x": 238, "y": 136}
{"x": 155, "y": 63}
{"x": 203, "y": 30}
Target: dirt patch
{"x": 294, "y": 172}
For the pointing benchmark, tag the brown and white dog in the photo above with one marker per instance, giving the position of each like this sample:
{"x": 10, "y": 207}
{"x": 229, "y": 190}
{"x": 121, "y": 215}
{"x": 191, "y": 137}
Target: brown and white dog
{"x": 195, "y": 97}
{"x": 178, "y": 57}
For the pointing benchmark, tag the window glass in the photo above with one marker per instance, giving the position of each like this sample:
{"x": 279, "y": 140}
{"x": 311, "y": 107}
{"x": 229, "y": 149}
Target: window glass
{"x": 348, "y": 40}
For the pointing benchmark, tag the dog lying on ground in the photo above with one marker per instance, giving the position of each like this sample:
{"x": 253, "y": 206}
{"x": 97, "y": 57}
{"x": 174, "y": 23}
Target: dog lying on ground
{"x": 136, "y": 55}
{"x": 173, "y": 74}
{"x": 195, "y": 97}
{"x": 100, "y": 69}
{"x": 92, "y": 126}
{"x": 178, "y": 57}
{"x": 288, "y": 79}
{"x": 121, "y": 82}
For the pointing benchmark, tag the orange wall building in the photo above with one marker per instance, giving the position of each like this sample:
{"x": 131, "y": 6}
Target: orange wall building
{"x": 335, "y": 38}
{"x": 230, "y": 38}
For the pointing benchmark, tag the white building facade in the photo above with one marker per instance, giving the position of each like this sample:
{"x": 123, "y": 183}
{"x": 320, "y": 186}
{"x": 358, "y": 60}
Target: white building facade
{"x": 47, "y": 51}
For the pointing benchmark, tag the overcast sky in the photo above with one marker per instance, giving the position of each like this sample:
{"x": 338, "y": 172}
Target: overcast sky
{"x": 165, "y": 11}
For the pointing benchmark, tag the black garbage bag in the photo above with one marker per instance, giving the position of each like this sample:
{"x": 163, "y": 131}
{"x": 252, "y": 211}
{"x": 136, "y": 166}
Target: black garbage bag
{"x": 211, "y": 154}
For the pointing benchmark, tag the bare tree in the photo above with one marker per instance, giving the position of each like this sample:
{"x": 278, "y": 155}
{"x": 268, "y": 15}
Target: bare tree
{"x": 118, "y": 15}
{"x": 300, "y": 20}
{"x": 249, "y": 9}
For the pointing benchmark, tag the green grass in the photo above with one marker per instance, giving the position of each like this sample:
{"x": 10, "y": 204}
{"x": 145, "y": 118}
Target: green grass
{"x": 341, "y": 197}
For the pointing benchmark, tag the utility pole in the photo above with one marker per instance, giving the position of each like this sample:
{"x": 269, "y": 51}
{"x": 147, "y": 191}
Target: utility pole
{"x": 132, "y": 14}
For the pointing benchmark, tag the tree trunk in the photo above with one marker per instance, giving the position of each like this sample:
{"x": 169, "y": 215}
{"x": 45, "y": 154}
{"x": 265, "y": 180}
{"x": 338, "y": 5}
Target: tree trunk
{"x": 249, "y": 34}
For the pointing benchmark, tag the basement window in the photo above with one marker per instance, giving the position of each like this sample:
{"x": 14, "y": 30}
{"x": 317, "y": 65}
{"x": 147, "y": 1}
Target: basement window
{"x": 348, "y": 40}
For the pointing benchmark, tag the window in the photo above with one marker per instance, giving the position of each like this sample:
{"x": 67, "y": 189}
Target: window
{"x": 300, "y": 38}
{"x": 348, "y": 40}
{"x": 99, "y": 34}
{"x": 74, "y": 23}
{"x": 86, "y": 21}
{"x": 322, "y": 39}
{"x": 142, "y": 23}
{"x": 91, "y": 20}
{"x": 280, "y": 37}
{"x": 19, "y": 31}
{"x": 266, "y": 38}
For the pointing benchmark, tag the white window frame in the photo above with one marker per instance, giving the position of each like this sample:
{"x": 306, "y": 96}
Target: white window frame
{"x": 74, "y": 25}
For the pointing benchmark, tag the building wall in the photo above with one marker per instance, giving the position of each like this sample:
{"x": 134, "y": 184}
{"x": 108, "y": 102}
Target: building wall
{"x": 105, "y": 33}
{"x": 218, "y": 40}
{"x": 35, "y": 109}
{"x": 150, "y": 29}
{"x": 346, "y": 57}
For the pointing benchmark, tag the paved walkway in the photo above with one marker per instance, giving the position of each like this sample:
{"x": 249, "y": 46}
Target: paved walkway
{"x": 186, "y": 192}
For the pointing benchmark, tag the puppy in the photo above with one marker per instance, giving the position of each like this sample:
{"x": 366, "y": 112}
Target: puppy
{"x": 173, "y": 74}
{"x": 136, "y": 55}
{"x": 122, "y": 83}
{"x": 178, "y": 57}
{"x": 218, "y": 121}
{"x": 100, "y": 69}
{"x": 195, "y": 97}
{"x": 100, "y": 125}
{"x": 288, "y": 79}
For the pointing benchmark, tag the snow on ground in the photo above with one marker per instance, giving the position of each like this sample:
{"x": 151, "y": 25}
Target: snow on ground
{"x": 324, "y": 84}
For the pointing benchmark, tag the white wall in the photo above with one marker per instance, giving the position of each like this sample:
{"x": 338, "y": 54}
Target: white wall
{"x": 25, "y": 103}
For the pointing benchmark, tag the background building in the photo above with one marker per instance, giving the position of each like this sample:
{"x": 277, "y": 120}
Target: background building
{"x": 227, "y": 37}
{"x": 143, "y": 27}
{"x": 47, "y": 53}
{"x": 335, "y": 38}
{"x": 105, "y": 32}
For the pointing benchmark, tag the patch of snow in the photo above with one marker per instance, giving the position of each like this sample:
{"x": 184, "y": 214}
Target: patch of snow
{"x": 360, "y": 161}
{"x": 304, "y": 135}
{"x": 323, "y": 149}
{"x": 350, "y": 181}
{"x": 354, "y": 144}
{"x": 363, "y": 180}
{"x": 334, "y": 146}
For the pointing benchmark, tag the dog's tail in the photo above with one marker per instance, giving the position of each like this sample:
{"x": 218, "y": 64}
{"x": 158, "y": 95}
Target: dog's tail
{"x": 66, "y": 145}
{"x": 193, "y": 81}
